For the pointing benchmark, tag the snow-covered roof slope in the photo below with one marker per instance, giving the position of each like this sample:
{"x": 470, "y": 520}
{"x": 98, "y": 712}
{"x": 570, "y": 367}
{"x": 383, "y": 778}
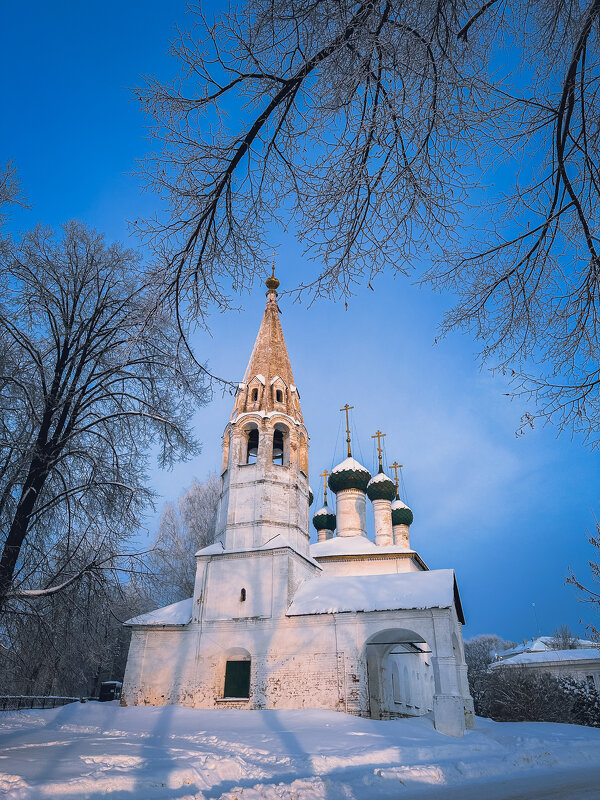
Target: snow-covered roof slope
{"x": 542, "y": 643}
{"x": 397, "y": 503}
{"x": 551, "y": 656}
{"x": 407, "y": 590}
{"x": 211, "y": 550}
{"x": 324, "y": 511}
{"x": 275, "y": 543}
{"x": 175, "y": 614}
{"x": 349, "y": 464}
{"x": 352, "y": 545}
{"x": 379, "y": 477}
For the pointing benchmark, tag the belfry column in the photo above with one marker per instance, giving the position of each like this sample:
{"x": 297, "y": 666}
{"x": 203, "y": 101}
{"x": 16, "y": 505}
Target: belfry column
{"x": 349, "y": 482}
{"x": 381, "y": 491}
{"x": 402, "y": 516}
{"x": 265, "y": 490}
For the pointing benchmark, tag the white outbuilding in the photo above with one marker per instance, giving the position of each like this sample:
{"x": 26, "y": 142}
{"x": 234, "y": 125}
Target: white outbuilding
{"x": 346, "y": 624}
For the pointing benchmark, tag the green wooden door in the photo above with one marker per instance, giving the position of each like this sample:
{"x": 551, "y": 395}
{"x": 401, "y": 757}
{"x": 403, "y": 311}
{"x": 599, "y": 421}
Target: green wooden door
{"x": 237, "y": 679}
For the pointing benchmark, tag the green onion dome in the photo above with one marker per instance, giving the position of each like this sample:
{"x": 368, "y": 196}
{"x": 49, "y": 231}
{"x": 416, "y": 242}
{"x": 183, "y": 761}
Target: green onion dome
{"x": 324, "y": 519}
{"x": 311, "y": 496}
{"x": 349, "y": 475}
{"x": 401, "y": 513}
{"x": 381, "y": 487}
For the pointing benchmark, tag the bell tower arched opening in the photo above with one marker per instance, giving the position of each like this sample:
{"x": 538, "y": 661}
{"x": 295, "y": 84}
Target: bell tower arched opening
{"x": 278, "y": 447}
{"x": 281, "y": 444}
{"x": 252, "y": 444}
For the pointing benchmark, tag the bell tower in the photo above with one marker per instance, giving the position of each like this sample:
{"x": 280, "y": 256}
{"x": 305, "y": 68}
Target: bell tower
{"x": 265, "y": 448}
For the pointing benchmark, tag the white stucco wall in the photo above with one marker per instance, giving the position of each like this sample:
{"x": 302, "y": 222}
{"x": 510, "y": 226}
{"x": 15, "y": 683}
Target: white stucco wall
{"x": 316, "y": 661}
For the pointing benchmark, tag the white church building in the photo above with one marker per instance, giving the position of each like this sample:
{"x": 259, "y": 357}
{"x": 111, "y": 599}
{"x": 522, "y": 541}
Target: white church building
{"x": 347, "y": 624}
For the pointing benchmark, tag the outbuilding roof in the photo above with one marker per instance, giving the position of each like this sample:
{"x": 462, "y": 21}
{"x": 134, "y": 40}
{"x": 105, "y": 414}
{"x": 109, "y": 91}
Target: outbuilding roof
{"x": 550, "y": 657}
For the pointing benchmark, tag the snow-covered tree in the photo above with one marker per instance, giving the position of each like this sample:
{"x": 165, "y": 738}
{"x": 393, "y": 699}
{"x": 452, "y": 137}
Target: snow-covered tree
{"x": 585, "y": 709}
{"x": 92, "y": 377}
{"x": 480, "y": 652}
{"x": 563, "y": 638}
{"x": 515, "y": 694}
{"x": 372, "y": 126}
{"x": 67, "y": 643}
{"x": 183, "y": 529}
{"x": 590, "y": 588}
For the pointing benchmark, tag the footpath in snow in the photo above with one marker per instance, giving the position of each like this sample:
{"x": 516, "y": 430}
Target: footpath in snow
{"x": 98, "y": 750}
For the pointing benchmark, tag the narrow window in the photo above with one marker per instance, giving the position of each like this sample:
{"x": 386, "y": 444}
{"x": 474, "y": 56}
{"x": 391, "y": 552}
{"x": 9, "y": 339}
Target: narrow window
{"x": 254, "y": 395}
{"x": 243, "y": 595}
{"x": 279, "y": 396}
{"x": 278, "y": 447}
{"x": 237, "y": 679}
{"x": 252, "y": 454}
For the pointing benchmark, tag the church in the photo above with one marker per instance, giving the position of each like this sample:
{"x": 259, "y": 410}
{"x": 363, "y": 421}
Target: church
{"x": 347, "y": 624}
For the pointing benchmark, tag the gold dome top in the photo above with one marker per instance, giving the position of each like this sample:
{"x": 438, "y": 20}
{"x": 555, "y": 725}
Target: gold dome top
{"x": 272, "y": 283}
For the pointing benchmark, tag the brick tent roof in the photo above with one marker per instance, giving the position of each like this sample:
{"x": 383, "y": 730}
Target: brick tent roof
{"x": 269, "y": 360}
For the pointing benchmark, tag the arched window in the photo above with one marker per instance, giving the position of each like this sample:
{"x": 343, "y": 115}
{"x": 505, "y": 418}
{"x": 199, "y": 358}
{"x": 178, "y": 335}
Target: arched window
{"x": 277, "y": 447}
{"x": 279, "y": 396}
{"x": 254, "y": 395}
{"x": 252, "y": 452}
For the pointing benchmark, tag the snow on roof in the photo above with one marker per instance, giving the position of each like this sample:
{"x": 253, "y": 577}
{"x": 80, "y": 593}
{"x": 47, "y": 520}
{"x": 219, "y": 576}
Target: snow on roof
{"x": 211, "y": 550}
{"x": 398, "y": 504}
{"x": 349, "y": 464}
{"x": 407, "y": 590}
{"x": 542, "y": 643}
{"x": 352, "y": 545}
{"x": 324, "y": 510}
{"x": 278, "y": 541}
{"x": 381, "y": 476}
{"x": 551, "y": 656}
{"x": 175, "y": 614}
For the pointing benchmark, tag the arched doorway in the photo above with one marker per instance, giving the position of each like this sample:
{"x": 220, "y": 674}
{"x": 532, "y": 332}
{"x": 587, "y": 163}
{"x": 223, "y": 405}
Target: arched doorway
{"x": 400, "y": 674}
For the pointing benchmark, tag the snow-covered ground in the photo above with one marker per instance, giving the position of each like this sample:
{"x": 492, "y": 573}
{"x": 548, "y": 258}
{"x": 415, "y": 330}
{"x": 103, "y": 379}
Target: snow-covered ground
{"x": 86, "y": 752}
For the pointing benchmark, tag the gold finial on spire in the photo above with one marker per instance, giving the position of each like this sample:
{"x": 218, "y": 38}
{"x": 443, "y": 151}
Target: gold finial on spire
{"x": 379, "y": 436}
{"x": 348, "y": 408}
{"x": 396, "y": 466}
{"x": 324, "y": 475}
{"x": 272, "y": 283}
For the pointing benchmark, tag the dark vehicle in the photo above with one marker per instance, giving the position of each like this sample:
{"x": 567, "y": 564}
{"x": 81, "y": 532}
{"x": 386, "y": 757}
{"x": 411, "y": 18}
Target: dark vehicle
{"x": 110, "y": 690}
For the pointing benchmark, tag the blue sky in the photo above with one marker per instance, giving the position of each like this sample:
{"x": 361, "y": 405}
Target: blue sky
{"x": 509, "y": 513}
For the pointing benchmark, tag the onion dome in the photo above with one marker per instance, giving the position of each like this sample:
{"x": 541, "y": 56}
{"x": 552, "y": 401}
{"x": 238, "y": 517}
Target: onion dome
{"x": 324, "y": 519}
{"x": 381, "y": 487}
{"x": 349, "y": 475}
{"x": 272, "y": 283}
{"x": 401, "y": 513}
{"x": 311, "y": 496}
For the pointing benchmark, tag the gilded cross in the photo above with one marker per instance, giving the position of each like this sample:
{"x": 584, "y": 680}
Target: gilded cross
{"x": 396, "y": 466}
{"x": 348, "y": 408}
{"x": 379, "y": 436}
{"x": 324, "y": 475}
